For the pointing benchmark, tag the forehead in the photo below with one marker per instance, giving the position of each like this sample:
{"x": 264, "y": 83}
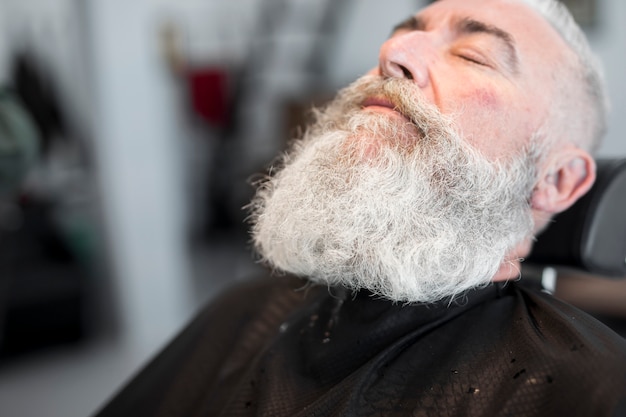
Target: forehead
{"x": 537, "y": 42}
{"x": 508, "y": 12}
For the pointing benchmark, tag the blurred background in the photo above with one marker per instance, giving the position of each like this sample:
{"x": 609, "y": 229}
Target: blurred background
{"x": 129, "y": 134}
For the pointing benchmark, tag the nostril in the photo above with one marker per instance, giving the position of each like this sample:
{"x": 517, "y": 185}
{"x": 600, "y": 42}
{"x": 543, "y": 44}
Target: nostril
{"x": 406, "y": 72}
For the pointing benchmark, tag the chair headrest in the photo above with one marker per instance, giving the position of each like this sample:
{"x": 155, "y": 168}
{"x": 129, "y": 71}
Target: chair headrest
{"x": 590, "y": 235}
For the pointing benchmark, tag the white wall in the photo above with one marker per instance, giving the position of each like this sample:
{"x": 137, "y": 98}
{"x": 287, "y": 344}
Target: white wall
{"x": 138, "y": 145}
{"x": 364, "y": 29}
{"x": 609, "y": 42}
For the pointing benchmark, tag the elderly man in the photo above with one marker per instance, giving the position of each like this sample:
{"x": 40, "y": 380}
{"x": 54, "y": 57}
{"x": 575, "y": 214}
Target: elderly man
{"x": 404, "y": 211}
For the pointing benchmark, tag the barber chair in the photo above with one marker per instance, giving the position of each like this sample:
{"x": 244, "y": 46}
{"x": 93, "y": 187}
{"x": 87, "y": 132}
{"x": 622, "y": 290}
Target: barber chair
{"x": 590, "y": 236}
{"x": 581, "y": 256}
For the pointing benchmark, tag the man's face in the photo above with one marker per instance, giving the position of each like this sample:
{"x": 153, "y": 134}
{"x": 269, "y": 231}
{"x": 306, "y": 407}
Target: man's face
{"x": 415, "y": 182}
{"x": 487, "y": 63}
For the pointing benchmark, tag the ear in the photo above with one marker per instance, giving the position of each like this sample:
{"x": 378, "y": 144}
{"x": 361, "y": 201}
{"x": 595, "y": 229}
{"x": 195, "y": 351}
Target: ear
{"x": 566, "y": 177}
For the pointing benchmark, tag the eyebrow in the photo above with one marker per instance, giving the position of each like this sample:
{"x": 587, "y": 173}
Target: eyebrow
{"x": 469, "y": 26}
{"x": 411, "y": 23}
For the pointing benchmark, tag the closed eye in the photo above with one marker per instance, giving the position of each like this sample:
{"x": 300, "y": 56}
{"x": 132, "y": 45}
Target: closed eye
{"x": 473, "y": 57}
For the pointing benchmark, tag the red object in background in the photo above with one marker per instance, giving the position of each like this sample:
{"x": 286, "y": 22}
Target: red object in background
{"x": 209, "y": 94}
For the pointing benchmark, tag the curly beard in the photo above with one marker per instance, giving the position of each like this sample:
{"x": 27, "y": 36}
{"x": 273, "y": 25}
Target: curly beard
{"x": 400, "y": 206}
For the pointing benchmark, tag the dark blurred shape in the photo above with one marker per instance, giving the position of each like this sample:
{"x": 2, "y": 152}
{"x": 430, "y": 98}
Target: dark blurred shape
{"x": 19, "y": 143}
{"x": 39, "y": 97}
{"x": 43, "y": 285}
{"x": 591, "y": 235}
{"x": 41, "y": 281}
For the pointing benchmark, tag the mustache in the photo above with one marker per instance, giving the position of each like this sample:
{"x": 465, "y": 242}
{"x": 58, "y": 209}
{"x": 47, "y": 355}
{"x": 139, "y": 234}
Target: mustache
{"x": 400, "y": 95}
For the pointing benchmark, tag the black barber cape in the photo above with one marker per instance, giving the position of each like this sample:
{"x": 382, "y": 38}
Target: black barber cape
{"x": 278, "y": 348}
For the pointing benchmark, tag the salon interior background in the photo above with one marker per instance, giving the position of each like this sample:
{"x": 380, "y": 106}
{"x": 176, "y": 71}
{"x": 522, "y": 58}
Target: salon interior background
{"x": 152, "y": 115}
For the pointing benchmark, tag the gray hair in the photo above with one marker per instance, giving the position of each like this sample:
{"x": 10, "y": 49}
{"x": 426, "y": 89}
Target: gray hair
{"x": 584, "y": 115}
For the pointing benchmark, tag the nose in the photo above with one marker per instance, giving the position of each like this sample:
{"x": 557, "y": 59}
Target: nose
{"x": 407, "y": 56}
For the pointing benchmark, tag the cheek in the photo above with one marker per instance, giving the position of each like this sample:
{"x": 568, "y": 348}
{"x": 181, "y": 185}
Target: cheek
{"x": 481, "y": 112}
{"x": 484, "y": 99}
{"x": 487, "y": 123}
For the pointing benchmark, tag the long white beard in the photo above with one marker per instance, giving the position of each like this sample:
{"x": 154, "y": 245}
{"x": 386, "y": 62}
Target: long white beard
{"x": 409, "y": 211}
